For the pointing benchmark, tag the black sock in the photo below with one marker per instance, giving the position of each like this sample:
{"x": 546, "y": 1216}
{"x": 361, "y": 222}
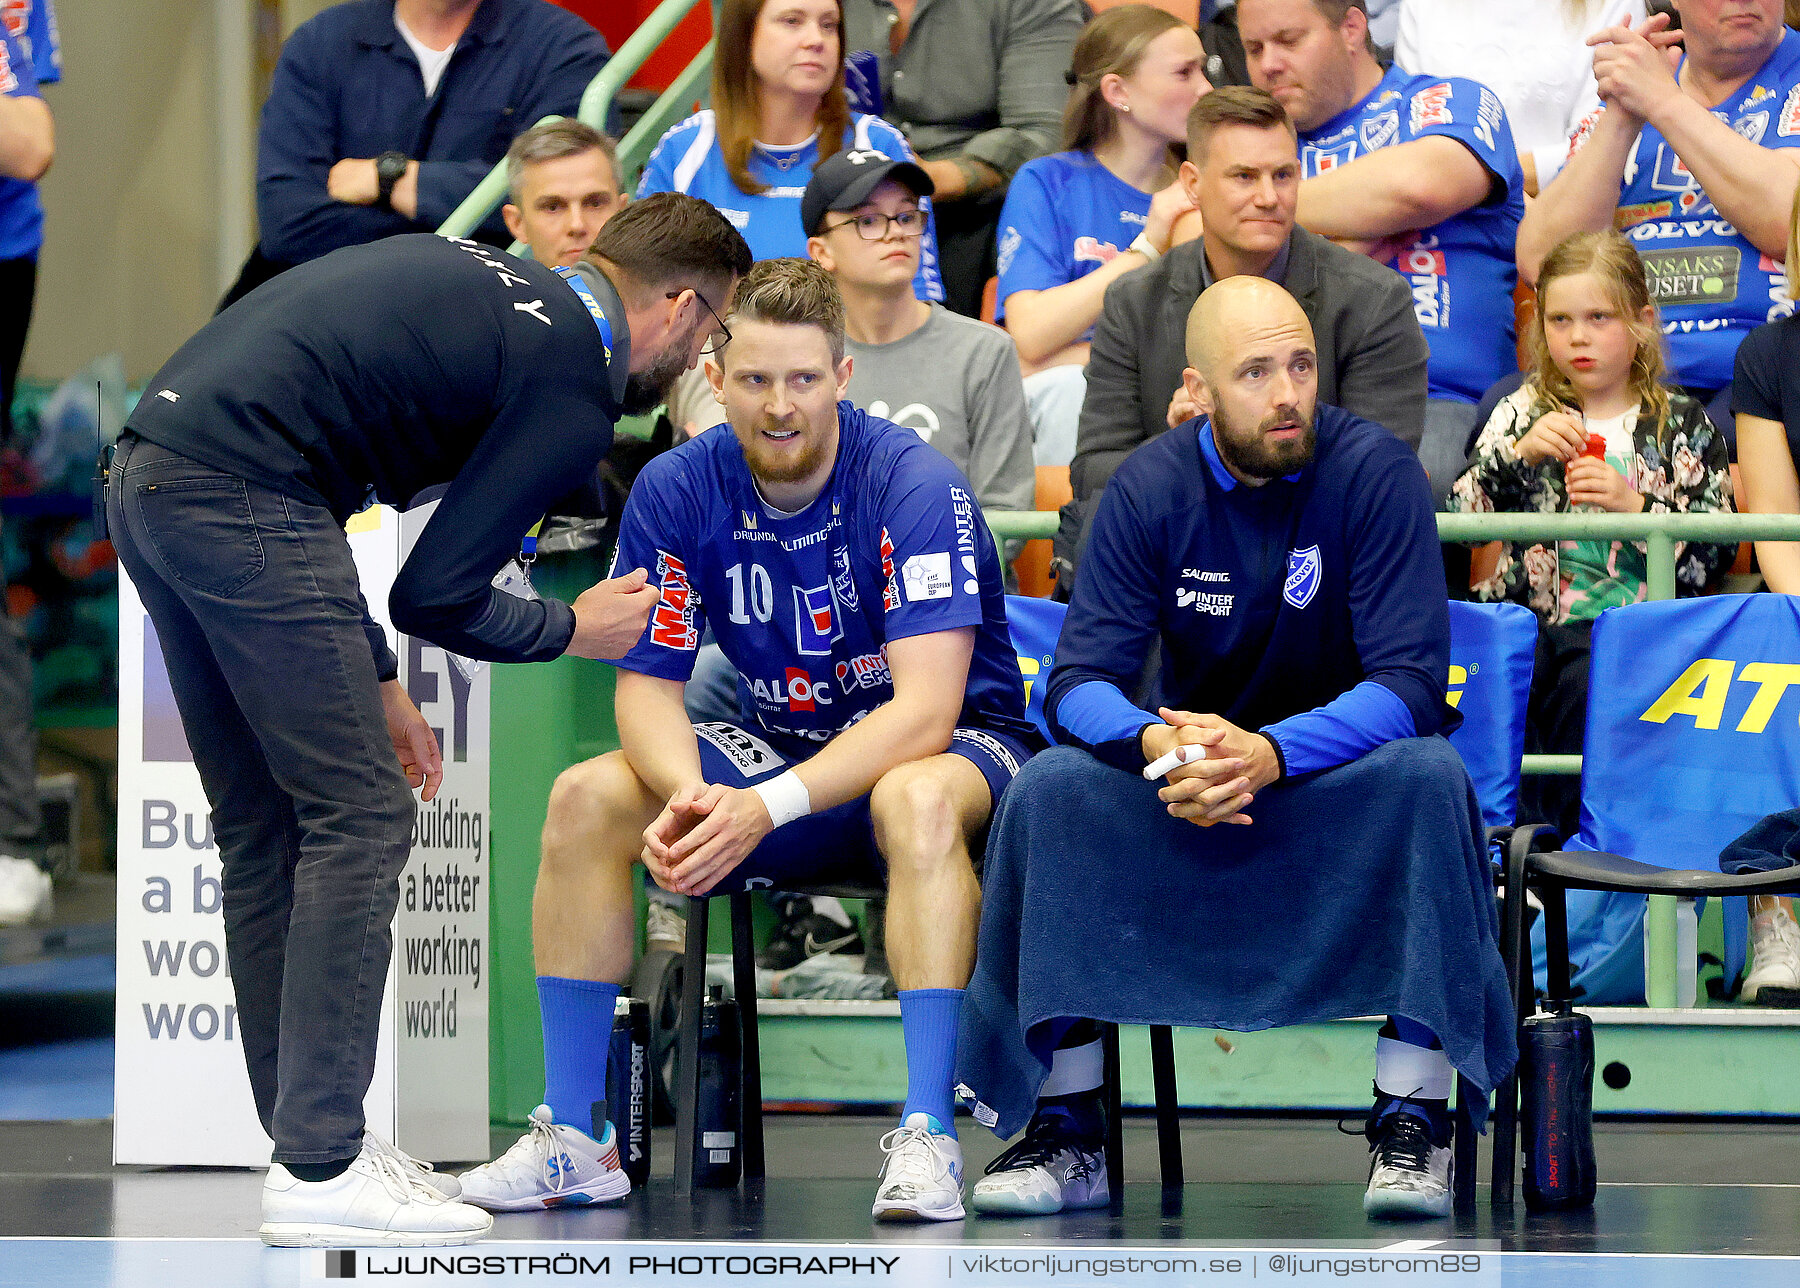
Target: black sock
{"x": 320, "y": 1171}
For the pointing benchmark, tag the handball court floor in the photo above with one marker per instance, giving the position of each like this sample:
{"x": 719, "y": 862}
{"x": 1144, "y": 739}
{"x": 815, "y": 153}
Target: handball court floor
{"x": 1684, "y": 1188}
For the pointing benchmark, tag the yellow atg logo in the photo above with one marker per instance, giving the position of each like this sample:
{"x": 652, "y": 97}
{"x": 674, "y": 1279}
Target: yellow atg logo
{"x": 1702, "y": 689}
{"x": 1459, "y": 677}
{"x": 1030, "y": 668}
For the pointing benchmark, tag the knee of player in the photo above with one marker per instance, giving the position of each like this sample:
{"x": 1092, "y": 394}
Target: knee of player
{"x": 587, "y": 810}
{"x": 917, "y": 812}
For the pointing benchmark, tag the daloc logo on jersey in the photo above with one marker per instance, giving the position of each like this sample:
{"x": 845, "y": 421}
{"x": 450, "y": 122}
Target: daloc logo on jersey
{"x": 1302, "y": 581}
{"x": 815, "y": 625}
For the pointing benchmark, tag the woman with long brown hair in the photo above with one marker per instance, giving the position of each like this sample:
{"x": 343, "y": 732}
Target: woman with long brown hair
{"x": 778, "y": 109}
{"x": 1077, "y": 220}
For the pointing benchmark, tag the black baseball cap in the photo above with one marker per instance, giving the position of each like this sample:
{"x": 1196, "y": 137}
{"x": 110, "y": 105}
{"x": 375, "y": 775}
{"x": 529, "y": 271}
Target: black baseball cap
{"x": 845, "y": 180}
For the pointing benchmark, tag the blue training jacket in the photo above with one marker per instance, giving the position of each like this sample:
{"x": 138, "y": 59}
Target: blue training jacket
{"x": 347, "y": 85}
{"x": 1311, "y": 609}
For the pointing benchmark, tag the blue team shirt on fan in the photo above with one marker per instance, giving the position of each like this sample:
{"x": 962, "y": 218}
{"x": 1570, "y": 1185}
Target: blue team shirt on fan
{"x": 1461, "y": 271}
{"x": 688, "y": 159}
{"x": 1065, "y": 216}
{"x": 804, "y": 605}
{"x": 1710, "y": 283}
{"x": 33, "y": 24}
{"x": 21, "y": 214}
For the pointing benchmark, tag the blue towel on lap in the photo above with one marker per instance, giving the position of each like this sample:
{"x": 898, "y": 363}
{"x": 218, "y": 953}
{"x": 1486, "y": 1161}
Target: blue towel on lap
{"x": 1362, "y": 890}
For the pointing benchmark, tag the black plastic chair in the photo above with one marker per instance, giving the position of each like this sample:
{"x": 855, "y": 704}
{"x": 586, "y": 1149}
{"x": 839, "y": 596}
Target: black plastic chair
{"x": 686, "y": 1084}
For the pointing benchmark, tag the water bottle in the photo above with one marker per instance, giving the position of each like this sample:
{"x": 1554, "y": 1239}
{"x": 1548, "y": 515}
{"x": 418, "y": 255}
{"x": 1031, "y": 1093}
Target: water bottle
{"x": 1556, "y": 1079}
{"x": 718, "y": 1117}
{"x": 628, "y": 1087}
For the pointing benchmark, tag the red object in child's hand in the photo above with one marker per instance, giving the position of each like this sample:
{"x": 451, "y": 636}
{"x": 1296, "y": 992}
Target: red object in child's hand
{"x": 1596, "y": 447}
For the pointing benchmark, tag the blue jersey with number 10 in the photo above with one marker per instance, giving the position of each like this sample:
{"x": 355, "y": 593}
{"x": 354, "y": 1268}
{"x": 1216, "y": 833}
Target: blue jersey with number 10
{"x": 804, "y": 605}
{"x": 1461, "y": 270}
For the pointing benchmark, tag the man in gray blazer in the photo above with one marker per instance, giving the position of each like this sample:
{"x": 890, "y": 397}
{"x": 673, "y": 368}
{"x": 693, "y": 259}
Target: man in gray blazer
{"x": 1243, "y": 174}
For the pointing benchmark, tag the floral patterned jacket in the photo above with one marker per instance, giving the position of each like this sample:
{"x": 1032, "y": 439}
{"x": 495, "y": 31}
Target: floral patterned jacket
{"x": 1690, "y": 473}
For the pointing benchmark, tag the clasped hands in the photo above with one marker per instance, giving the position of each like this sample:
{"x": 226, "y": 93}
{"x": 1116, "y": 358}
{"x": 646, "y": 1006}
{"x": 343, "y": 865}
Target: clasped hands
{"x": 1218, "y": 788}
{"x": 705, "y": 831}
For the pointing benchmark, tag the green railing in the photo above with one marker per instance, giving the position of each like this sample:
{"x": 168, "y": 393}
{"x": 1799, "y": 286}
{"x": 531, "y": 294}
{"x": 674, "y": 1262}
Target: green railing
{"x": 1659, "y": 533}
{"x": 596, "y": 103}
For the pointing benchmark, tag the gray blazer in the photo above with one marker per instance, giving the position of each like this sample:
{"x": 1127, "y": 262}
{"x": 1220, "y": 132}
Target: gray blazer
{"x": 1371, "y": 351}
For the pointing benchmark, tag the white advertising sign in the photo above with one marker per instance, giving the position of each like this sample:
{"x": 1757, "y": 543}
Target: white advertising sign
{"x": 181, "y": 1095}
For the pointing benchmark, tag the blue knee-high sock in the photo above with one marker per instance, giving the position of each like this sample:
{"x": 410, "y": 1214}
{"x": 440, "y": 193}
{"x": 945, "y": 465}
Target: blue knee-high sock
{"x": 578, "y": 1021}
{"x": 928, "y": 1020}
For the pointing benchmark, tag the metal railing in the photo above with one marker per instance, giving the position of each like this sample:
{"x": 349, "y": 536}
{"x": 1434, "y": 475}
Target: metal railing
{"x": 597, "y": 102}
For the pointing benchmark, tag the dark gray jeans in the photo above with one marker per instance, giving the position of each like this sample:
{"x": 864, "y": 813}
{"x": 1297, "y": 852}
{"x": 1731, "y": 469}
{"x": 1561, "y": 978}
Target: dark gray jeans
{"x": 256, "y": 603}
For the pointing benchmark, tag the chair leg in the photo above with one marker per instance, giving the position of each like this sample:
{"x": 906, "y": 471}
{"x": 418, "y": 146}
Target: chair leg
{"x": 687, "y": 1049}
{"x": 743, "y": 976}
{"x": 1556, "y": 943}
{"x": 1515, "y": 950}
{"x": 1168, "y": 1104}
{"x": 1115, "y": 1132}
{"x": 1462, "y": 1131}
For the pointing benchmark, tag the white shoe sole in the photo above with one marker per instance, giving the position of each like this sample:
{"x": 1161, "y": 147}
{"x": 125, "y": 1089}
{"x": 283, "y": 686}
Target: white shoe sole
{"x": 1402, "y": 1205}
{"x": 307, "y": 1234}
{"x": 1011, "y": 1203}
{"x": 615, "y": 1185}
{"x": 909, "y": 1210}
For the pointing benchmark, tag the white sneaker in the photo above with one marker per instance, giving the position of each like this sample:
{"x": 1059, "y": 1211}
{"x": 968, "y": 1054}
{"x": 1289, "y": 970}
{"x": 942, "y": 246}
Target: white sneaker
{"x": 664, "y": 927}
{"x": 552, "y": 1165}
{"x": 378, "y": 1202}
{"x": 1049, "y": 1170}
{"x": 1774, "y": 957}
{"x": 442, "y": 1182}
{"x": 1409, "y": 1174}
{"x": 24, "y": 891}
{"x": 922, "y": 1177}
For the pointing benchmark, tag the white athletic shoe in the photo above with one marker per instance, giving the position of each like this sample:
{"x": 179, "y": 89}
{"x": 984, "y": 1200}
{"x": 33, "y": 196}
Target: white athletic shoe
{"x": 1774, "y": 957}
{"x": 1409, "y": 1175}
{"x": 444, "y": 1183}
{"x": 552, "y": 1165}
{"x": 664, "y": 927}
{"x": 1051, "y": 1169}
{"x": 24, "y": 891}
{"x": 921, "y": 1180}
{"x": 378, "y": 1202}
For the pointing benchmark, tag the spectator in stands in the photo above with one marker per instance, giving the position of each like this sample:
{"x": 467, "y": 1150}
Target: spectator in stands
{"x": 563, "y": 177}
{"x": 1546, "y": 94}
{"x": 1417, "y": 171}
{"x": 778, "y": 108}
{"x": 978, "y": 86}
{"x": 1593, "y": 427}
{"x": 1283, "y": 553}
{"x": 27, "y": 144}
{"x": 1242, "y": 174}
{"x": 1074, "y": 220}
{"x": 951, "y": 379}
{"x": 385, "y": 114}
{"x": 881, "y": 725}
{"x": 1765, "y": 395}
{"x": 1697, "y": 165}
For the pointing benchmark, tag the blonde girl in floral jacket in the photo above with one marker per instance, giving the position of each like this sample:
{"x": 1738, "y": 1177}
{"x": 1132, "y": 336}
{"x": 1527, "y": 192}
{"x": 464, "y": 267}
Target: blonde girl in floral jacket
{"x": 1593, "y": 428}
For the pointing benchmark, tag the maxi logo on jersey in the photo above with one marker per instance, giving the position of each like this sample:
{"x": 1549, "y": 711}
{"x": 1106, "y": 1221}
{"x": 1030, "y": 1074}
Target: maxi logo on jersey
{"x": 672, "y": 621}
{"x": 1430, "y": 107}
{"x": 890, "y": 588}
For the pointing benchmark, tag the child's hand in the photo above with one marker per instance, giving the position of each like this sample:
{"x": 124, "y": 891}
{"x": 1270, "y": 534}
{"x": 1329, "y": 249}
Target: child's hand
{"x": 1591, "y": 481}
{"x": 1557, "y": 435}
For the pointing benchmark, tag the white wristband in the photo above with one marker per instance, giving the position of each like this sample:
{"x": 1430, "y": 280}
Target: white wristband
{"x": 1143, "y": 247}
{"x": 785, "y": 797}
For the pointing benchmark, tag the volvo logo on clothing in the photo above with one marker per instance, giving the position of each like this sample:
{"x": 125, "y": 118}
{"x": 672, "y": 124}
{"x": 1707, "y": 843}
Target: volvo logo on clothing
{"x": 1302, "y": 581}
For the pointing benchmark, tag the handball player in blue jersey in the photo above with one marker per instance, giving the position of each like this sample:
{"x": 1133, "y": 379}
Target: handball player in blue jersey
{"x": 845, "y": 570}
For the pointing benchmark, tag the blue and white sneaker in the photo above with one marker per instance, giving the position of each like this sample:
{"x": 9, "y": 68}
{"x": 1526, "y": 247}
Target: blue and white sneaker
{"x": 922, "y": 1177}
{"x": 552, "y": 1165}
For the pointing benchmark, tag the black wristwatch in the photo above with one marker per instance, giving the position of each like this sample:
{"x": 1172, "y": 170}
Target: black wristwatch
{"x": 390, "y": 168}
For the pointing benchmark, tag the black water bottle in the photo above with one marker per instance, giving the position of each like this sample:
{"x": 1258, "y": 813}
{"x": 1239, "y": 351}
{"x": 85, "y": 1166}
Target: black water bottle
{"x": 1556, "y": 1078}
{"x": 718, "y": 1117}
{"x": 628, "y": 1087}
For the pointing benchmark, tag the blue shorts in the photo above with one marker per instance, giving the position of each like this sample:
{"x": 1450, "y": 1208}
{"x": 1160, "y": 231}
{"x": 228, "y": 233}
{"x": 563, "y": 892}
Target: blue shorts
{"x": 834, "y": 846}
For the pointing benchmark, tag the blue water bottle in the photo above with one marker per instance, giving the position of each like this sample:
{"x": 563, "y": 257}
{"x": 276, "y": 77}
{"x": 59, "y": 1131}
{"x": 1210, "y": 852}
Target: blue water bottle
{"x": 1556, "y": 1080}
